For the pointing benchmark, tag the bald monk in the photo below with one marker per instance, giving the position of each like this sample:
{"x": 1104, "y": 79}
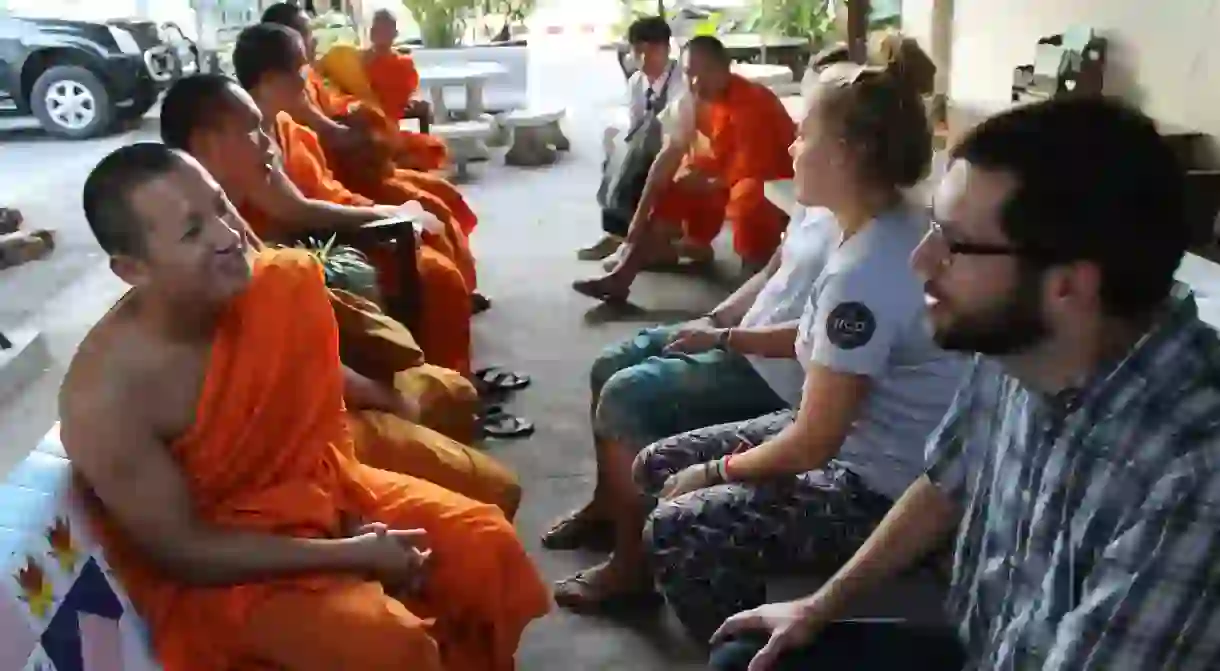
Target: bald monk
{"x": 722, "y": 143}
{"x": 205, "y": 415}
{"x": 333, "y": 114}
{"x": 388, "y": 80}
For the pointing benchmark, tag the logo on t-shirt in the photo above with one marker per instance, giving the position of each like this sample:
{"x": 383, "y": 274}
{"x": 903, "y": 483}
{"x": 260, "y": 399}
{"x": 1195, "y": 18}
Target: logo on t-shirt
{"x": 850, "y": 325}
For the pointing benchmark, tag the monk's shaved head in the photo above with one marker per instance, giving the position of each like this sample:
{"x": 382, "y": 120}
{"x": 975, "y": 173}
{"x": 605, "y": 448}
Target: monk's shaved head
{"x": 195, "y": 103}
{"x": 287, "y": 14}
{"x": 384, "y": 15}
{"x": 384, "y": 30}
{"x": 709, "y": 49}
{"x": 264, "y": 49}
{"x": 108, "y": 190}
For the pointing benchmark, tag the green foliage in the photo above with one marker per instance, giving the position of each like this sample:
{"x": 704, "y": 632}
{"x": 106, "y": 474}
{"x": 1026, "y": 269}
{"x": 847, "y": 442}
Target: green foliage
{"x": 812, "y": 19}
{"x": 441, "y": 22}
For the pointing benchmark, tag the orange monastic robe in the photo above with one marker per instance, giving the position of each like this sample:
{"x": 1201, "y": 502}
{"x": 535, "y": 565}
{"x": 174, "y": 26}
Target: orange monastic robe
{"x": 270, "y": 452}
{"x": 336, "y": 104}
{"x": 394, "y": 81}
{"x": 743, "y": 140}
{"x": 446, "y": 265}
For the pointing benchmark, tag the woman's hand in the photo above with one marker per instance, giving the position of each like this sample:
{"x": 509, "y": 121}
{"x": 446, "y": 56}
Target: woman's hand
{"x": 691, "y": 479}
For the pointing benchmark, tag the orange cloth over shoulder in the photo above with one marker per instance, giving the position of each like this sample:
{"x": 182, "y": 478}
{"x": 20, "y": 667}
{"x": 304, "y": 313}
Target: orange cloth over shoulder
{"x": 407, "y": 148}
{"x": 743, "y": 140}
{"x": 395, "y": 81}
{"x": 446, "y": 264}
{"x": 270, "y": 452}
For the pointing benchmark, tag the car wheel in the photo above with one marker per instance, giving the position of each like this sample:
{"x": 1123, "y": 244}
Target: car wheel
{"x": 71, "y": 102}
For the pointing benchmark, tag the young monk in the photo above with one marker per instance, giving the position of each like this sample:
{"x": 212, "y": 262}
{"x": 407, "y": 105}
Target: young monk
{"x": 219, "y": 123}
{"x": 386, "y": 79}
{"x": 721, "y": 145}
{"x": 206, "y": 416}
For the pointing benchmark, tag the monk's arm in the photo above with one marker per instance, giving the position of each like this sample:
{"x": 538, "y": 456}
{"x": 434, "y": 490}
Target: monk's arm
{"x": 280, "y": 198}
{"x": 660, "y": 176}
{"x": 141, "y": 486}
{"x": 362, "y": 393}
{"x": 731, "y": 311}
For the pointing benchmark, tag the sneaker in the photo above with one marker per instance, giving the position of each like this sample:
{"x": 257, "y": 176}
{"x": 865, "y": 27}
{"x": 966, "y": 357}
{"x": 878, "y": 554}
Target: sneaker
{"x": 604, "y": 247}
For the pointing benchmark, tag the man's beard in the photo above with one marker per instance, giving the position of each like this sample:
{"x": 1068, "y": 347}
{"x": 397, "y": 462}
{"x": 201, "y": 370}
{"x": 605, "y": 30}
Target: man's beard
{"x": 1013, "y": 326}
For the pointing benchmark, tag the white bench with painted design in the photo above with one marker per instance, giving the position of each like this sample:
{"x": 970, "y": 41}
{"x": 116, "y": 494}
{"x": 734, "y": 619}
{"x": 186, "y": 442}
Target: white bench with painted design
{"x": 60, "y": 605}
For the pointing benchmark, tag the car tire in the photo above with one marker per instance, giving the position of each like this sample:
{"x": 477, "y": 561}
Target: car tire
{"x": 91, "y": 112}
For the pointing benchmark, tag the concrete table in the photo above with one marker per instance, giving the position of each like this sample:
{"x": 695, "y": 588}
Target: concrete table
{"x": 471, "y": 76}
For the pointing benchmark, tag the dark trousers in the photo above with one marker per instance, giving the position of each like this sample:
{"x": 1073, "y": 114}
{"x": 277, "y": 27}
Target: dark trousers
{"x": 861, "y": 645}
{"x": 613, "y": 223}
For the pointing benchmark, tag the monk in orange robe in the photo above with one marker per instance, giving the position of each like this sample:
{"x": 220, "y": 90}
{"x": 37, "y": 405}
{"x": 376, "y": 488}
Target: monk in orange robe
{"x": 267, "y": 59}
{"x": 208, "y": 417}
{"x": 721, "y": 146}
{"x": 341, "y": 119}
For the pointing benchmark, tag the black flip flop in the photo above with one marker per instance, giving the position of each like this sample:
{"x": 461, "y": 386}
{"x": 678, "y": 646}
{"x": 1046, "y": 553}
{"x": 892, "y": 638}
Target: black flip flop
{"x": 496, "y": 380}
{"x": 479, "y": 303}
{"x": 496, "y": 423}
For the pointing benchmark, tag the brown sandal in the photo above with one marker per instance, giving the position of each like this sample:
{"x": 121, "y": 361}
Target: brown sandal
{"x": 578, "y": 593}
{"x": 578, "y": 532}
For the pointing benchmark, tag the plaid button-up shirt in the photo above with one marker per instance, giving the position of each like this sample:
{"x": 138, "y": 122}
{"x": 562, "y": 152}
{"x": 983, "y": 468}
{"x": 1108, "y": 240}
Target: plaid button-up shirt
{"x": 1090, "y": 531}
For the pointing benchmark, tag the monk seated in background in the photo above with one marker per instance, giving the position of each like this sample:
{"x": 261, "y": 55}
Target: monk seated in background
{"x": 205, "y": 414}
{"x": 382, "y": 77}
{"x": 220, "y": 125}
{"x": 335, "y": 112}
{"x": 722, "y": 144}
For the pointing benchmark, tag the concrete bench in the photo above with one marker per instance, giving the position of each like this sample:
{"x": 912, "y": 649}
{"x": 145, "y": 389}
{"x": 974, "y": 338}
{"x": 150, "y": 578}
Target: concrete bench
{"x": 60, "y": 605}
{"x": 537, "y": 137}
{"x": 467, "y": 141}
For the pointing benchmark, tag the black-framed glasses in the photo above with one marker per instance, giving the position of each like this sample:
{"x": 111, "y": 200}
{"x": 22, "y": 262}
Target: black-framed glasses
{"x": 952, "y": 248}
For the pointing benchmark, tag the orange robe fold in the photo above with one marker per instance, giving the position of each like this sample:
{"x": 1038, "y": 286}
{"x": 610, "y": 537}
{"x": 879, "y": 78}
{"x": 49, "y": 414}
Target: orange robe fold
{"x": 405, "y": 147}
{"x": 446, "y": 264}
{"x": 394, "y": 81}
{"x": 742, "y": 140}
{"x": 270, "y": 452}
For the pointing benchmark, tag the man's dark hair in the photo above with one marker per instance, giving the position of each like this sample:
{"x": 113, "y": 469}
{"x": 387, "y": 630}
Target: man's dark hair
{"x": 192, "y": 103}
{"x": 711, "y": 47}
{"x": 1095, "y": 181}
{"x": 649, "y": 30}
{"x": 107, "y": 194}
{"x": 283, "y": 13}
{"x": 264, "y": 48}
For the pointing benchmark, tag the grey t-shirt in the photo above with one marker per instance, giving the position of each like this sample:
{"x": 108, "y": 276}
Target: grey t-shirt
{"x": 811, "y": 236}
{"x": 866, "y": 316}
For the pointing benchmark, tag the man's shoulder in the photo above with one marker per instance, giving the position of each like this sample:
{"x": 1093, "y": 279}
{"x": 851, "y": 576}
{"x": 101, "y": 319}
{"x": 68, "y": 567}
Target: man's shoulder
{"x": 107, "y": 367}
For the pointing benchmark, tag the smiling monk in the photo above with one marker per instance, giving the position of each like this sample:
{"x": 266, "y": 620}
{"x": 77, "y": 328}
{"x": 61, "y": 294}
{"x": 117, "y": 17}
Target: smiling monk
{"x": 207, "y": 415}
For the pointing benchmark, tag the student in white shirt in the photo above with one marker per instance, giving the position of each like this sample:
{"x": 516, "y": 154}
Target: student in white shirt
{"x": 657, "y": 81}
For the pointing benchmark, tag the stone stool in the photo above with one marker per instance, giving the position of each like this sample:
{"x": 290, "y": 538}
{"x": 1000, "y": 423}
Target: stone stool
{"x": 466, "y": 141}
{"x": 537, "y": 137}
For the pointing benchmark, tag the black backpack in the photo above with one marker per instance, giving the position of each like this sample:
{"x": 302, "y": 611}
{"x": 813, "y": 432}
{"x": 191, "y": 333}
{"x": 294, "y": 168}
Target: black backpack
{"x": 625, "y": 169}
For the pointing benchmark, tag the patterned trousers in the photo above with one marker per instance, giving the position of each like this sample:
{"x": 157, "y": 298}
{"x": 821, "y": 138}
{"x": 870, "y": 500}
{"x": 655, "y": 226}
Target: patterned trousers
{"x": 712, "y": 550}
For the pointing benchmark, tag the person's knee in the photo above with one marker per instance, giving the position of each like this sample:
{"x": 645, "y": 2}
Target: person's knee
{"x": 622, "y": 356}
{"x": 645, "y": 471}
{"x": 664, "y": 531}
{"x": 624, "y": 406}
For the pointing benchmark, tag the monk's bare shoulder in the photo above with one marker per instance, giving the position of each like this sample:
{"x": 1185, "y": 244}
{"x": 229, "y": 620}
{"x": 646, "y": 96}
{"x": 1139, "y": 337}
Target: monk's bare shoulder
{"x": 123, "y": 373}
